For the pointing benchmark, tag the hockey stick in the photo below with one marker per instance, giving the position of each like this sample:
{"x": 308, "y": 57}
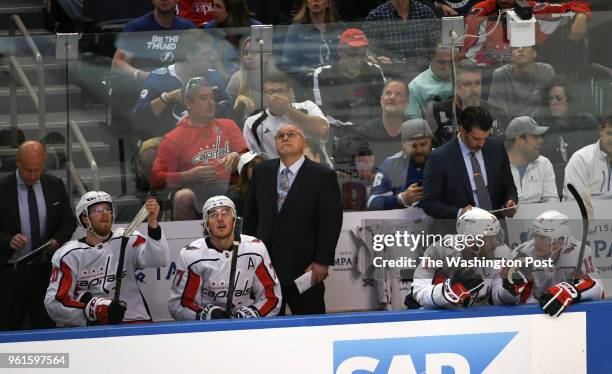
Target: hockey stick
{"x": 585, "y": 226}
{"x": 142, "y": 214}
{"x": 232, "y": 278}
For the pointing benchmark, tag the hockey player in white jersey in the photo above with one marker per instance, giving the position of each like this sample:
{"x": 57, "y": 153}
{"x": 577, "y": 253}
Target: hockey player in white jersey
{"x": 82, "y": 283}
{"x": 451, "y": 286}
{"x": 200, "y": 287}
{"x": 556, "y": 287}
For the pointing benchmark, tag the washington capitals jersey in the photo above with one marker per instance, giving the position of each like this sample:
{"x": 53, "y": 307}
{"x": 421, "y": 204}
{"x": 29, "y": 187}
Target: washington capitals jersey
{"x": 429, "y": 281}
{"x": 564, "y": 269}
{"x": 78, "y": 267}
{"x": 202, "y": 278}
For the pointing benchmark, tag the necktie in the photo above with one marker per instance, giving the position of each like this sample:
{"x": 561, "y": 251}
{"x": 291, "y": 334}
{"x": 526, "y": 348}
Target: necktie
{"x": 283, "y": 187}
{"x": 484, "y": 201}
{"x": 34, "y": 221}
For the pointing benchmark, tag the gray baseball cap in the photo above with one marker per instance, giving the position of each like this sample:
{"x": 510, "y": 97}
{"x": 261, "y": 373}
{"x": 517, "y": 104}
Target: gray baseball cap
{"x": 415, "y": 129}
{"x": 523, "y": 125}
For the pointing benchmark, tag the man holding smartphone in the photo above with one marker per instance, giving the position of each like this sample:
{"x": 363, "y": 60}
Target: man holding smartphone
{"x": 399, "y": 179}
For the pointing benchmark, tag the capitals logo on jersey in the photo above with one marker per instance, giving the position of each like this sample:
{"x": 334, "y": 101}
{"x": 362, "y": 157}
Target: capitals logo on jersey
{"x": 215, "y": 152}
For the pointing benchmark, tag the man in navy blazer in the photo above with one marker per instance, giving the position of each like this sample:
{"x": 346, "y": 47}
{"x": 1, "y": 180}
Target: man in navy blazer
{"x": 299, "y": 223}
{"x": 449, "y": 180}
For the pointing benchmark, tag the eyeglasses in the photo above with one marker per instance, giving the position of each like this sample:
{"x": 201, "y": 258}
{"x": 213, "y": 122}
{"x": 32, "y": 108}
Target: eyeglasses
{"x": 194, "y": 84}
{"x": 278, "y": 91}
{"x": 223, "y": 212}
{"x": 290, "y": 134}
{"x": 100, "y": 210}
{"x": 393, "y": 94}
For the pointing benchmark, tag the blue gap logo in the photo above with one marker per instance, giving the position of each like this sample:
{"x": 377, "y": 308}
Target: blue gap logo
{"x": 424, "y": 354}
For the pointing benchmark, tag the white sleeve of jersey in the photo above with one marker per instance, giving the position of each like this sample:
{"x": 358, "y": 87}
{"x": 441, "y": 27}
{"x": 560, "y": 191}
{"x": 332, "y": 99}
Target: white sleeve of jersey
{"x": 149, "y": 253}
{"x": 185, "y": 296}
{"x": 266, "y": 286}
{"x": 591, "y": 287}
{"x": 424, "y": 291}
{"x": 499, "y": 294}
{"x": 60, "y": 300}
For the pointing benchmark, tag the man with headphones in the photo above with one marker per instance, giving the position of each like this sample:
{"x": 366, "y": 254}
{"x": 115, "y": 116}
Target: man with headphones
{"x": 84, "y": 273}
{"x": 200, "y": 288}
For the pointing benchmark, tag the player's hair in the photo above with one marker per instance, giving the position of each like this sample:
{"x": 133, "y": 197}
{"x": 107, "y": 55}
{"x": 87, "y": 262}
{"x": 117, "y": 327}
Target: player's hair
{"x": 188, "y": 42}
{"x": 303, "y": 15}
{"x": 466, "y": 66}
{"x": 475, "y": 117}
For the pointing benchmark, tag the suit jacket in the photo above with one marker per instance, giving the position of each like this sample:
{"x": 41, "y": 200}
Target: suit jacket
{"x": 446, "y": 184}
{"x": 308, "y": 225}
{"x": 60, "y": 218}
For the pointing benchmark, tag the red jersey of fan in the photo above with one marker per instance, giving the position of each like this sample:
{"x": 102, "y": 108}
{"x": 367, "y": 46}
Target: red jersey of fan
{"x": 186, "y": 147}
{"x": 198, "y": 11}
{"x": 494, "y": 49}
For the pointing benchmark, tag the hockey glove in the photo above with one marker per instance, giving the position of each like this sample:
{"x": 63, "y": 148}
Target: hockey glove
{"x": 461, "y": 285}
{"x": 246, "y": 312}
{"x": 514, "y": 282}
{"x": 559, "y": 297}
{"x": 103, "y": 311}
{"x": 211, "y": 311}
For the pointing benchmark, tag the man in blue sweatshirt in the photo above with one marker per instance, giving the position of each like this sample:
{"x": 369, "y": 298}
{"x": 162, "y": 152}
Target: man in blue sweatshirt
{"x": 398, "y": 180}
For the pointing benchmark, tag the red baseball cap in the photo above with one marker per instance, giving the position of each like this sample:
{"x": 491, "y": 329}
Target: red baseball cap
{"x": 353, "y": 38}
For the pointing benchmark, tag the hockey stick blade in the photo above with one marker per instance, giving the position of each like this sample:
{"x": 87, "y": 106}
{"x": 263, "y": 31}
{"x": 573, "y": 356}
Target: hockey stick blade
{"x": 232, "y": 279}
{"x": 585, "y": 226}
{"x": 142, "y": 214}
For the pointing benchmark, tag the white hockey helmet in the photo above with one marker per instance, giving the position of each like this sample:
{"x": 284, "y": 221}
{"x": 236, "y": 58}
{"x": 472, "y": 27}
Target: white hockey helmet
{"x": 90, "y": 198}
{"x": 214, "y": 202}
{"x": 478, "y": 221}
{"x": 247, "y": 157}
{"x": 552, "y": 224}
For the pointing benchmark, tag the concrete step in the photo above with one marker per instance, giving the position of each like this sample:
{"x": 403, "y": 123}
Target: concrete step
{"x": 55, "y": 73}
{"x": 56, "y": 121}
{"x": 76, "y": 148}
{"x": 109, "y": 176}
{"x": 55, "y": 99}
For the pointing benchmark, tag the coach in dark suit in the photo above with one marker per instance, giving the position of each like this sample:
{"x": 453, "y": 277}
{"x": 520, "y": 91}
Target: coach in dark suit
{"x": 471, "y": 170}
{"x": 294, "y": 206}
{"x": 35, "y": 211}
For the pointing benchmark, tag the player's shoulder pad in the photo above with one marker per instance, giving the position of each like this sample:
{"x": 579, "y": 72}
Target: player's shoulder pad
{"x": 195, "y": 245}
{"x": 523, "y": 249}
{"x": 572, "y": 244}
{"x": 67, "y": 249}
{"x": 502, "y": 251}
{"x": 251, "y": 241}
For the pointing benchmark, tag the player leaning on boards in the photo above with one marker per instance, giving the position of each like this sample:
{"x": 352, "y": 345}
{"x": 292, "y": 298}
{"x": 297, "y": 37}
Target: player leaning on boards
{"x": 83, "y": 278}
{"x": 555, "y": 288}
{"x": 447, "y": 286}
{"x": 200, "y": 288}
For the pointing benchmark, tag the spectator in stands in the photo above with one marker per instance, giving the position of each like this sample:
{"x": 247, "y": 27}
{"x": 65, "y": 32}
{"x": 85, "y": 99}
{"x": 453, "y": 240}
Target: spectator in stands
{"x": 494, "y": 48}
{"x": 471, "y": 170}
{"x": 160, "y": 105}
{"x": 197, "y": 11}
{"x": 402, "y": 33}
{"x": 199, "y": 155}
{"x": 433, "y": 85}
{"x": 399, "y": 180}
{"x": 348, "y": 90}
{"x": 355, "y": 165}
{"x": 294, "y": 208}
{"x": 533, "y": 174}
{"x": 569, "y": 129}
{"x": 35, "y": 212}
{"x": 517, "y": 87}
{"x": 239, "y": 191}
{"x": 233, "y": 19}
{"x": 383, "y": 133}
{"x": 149, "y": 42}
{"x": 312, "y": 40}
{"x": 260, "y": 128}
{"x": 468, "y": 89}
{"x": 244, "y": 88}
{"x": 276, "y": 12}
{"x": 589, "y": 168}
